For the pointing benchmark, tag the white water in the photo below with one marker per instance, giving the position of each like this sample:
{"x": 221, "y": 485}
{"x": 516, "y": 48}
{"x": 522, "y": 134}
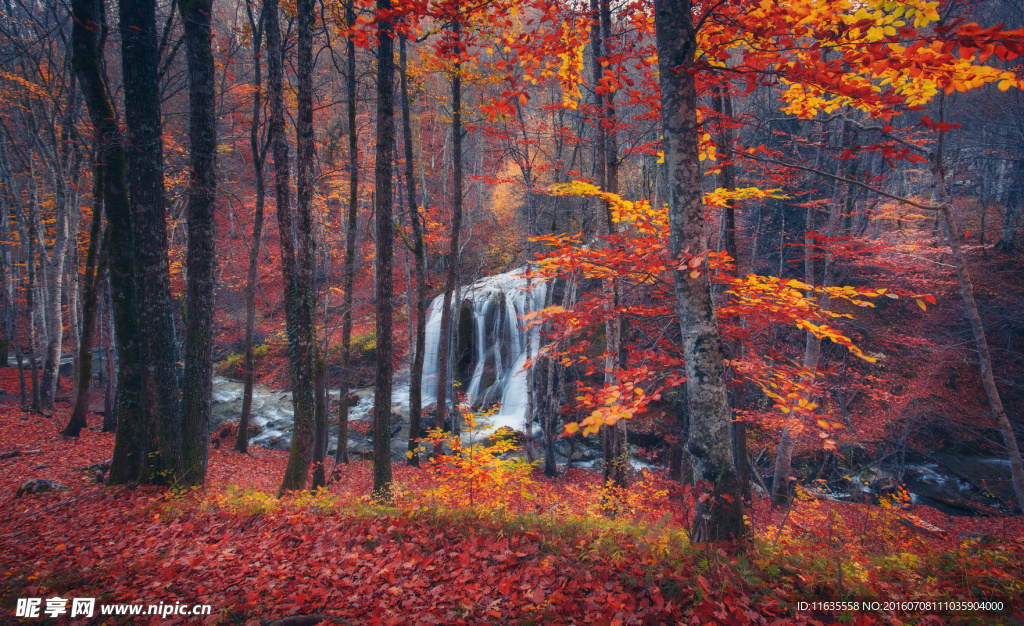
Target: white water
{"x": 499, "y": 304}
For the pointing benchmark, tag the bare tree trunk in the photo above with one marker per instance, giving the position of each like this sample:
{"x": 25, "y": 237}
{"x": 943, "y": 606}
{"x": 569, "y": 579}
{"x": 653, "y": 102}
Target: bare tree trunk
{"x": 197, "y": 388}
{"x": 980, "y": 341}
{"x": 420, "y": 255}
{"x": 720, "y": 516}
{"x": 131, "y": 443}
{"x": 54, "y": 283}
{"x": 107, "y": 321}
{"x": 298, "y": 262}
{"x": 258, "y": 159}
{"x": 384, "y": 231}
{"x": 94, "y": 269}
{"x": 444, "y": 349}
{"x": 341, "y": 455}
{"x": 161, "y": 407}
{"x": 320, "y": 418}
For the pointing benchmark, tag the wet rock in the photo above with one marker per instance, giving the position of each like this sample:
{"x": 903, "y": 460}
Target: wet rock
{"x": 229, "y": 431}
{"x": 875, "y": 481}
{"x": 39, "y": 485}
{"x": 855, "y": 455}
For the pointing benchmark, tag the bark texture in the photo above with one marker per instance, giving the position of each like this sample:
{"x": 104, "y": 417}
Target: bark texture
{"x": 420, "y": 254}
{"x": 341, "y": 455}
{"x": 258, "y": 158}
{"x": 197, "y": 388}
{"x": 444, "y": 347}
{"x": 720, "y": 516}
{"x": 297, "y": 258}
{"x": 384, "y": 231}
{"x": 129, "y": 444}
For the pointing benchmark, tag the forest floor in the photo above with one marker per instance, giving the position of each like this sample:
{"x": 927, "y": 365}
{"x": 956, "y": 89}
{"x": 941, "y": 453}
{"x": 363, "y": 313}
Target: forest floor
{"x": 452, "y": 550}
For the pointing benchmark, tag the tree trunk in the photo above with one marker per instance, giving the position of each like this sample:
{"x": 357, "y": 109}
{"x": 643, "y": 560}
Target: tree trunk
{"x": 159, "y": 348}
{"x": 52, "y": 309}
{"x": 444, "y": 348}
{"x": 320, "y": 418}
{"x": 420, "y": 254}
{"x": 720, "y": 516}
{"x": 258, "y": 159}
{"x": 92, "y": 276}
{"x": 298, "y": 263}
{"x": 980, "y": 341}
{"x": 384, "y": 231}
{"x": 197, "y": 390}
{"x": 130, "y": 445}
{"x": 341, "y": 455}
{"x": 110, "y": 352}
{"x": 781, "y": 493}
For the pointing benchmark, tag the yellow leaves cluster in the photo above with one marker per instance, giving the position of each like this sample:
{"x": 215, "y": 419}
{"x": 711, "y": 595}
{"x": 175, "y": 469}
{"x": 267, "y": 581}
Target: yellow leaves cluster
{"x": 640, "y": 214}
{"x": 722, "y": 197}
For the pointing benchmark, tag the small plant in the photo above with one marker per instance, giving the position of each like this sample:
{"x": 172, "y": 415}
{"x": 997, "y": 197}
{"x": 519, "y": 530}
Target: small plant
{"x": 476, "y": 475}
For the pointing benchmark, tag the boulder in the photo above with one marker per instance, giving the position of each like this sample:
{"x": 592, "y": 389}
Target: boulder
{"x": 229, "y": 431}
{"x": 39, "y": 485}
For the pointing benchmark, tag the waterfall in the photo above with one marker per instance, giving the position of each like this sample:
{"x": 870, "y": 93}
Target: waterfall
{"x": 490, "y": 348}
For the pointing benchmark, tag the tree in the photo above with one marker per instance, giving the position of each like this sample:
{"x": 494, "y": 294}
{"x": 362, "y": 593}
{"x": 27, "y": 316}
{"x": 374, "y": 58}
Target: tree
{"x": 720, "y": 516}
{"x": 419, "y": 251}
{"x": 197, "y": 388}
{"x": 148, "y": 445}
{"x": 258, "y": 150}
{"x": 444, "y": 348}
{"x": 383, "y": 229}
{"x": 350, "y": 237}
{"x": 297, "y": 264}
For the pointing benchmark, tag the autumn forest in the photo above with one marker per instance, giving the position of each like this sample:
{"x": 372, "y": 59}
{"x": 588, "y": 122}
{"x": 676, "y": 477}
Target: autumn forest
{"x": 514, "y": 311}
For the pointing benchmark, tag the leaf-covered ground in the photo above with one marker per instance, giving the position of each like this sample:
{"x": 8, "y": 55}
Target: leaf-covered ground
{"x": 548, "y": 555}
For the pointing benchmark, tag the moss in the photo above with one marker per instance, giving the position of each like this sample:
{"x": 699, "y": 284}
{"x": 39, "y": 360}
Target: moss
{"x": 234, "y": 365}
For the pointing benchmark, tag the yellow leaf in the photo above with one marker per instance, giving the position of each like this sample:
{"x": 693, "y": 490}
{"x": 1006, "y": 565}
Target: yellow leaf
{"x": 922, "y": 305}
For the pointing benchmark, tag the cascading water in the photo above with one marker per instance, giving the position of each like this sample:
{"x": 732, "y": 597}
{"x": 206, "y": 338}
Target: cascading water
{"x": 488, "y": 356}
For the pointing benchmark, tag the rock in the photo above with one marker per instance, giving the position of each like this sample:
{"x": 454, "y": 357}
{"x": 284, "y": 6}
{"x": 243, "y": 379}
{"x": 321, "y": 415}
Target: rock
{"x": 855, "y": 454}
{"x": 353, "y": 399}
{"x": 229, "y": 431}
{"x": 39, "y": 485}
{"x": 877, "y": 481}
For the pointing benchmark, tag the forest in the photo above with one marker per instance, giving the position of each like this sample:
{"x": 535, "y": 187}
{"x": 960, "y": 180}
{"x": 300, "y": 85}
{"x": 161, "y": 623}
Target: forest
{"x": 512, "y": 312}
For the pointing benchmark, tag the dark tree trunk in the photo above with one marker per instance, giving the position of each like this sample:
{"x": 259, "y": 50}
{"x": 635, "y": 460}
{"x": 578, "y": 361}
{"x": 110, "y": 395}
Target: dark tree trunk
{"x": 298, "y": 264}
{"x": 720, "y": 516}
{"x": 320, "y": 418}
{"x": 90, "y": 300}
{"x": 31, "y": 306}
{"x": 420, "y": 253}
{"x": 444, "y": 348}
{"x": 727, "y": 242}
{"x": 159, "y": 348}
{"x": 197, "y": 390}
{"x": 110, "y": 356}
{"x": 385, "y": 252}
{"x": 130, "y": 445}
{"x": 341, "y": 456}
{"x": 258, "y": 158}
